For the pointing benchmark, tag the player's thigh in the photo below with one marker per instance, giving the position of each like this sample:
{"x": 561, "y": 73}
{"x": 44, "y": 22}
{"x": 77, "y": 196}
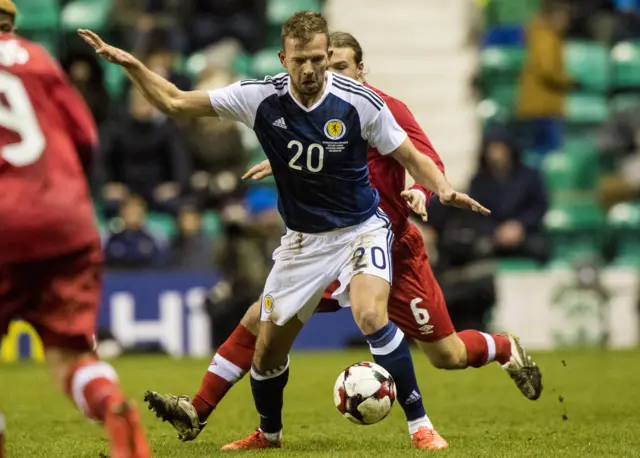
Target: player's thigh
{"x": 251, "y": 318}
{"x": 416, "y": 303}
{"x": 60, "y": 361}
{"x": 16, "y": 294}
{"x": 69, "y": 299}
{"x": 369, "y": 295}
{"x": 274, "y": 344}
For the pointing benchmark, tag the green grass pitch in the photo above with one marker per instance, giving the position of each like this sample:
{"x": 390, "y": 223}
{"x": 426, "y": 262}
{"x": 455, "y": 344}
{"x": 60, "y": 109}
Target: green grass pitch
{"x": 479, "y": 411}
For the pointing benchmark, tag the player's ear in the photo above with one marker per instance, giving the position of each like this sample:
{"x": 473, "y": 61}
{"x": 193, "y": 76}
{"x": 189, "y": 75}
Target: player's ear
{"x": 360, "y": 71}
{"x": 282, "y": 56}
{"x": 329, "y": 54}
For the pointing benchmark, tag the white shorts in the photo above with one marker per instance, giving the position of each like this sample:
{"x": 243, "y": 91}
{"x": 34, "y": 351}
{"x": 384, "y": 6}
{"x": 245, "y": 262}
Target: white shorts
{"x": 305, "y": 264}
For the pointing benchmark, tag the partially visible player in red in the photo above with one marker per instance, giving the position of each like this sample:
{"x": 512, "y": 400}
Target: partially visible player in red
{"x": 416, "y": 303}
{"x": 50, "y": 254}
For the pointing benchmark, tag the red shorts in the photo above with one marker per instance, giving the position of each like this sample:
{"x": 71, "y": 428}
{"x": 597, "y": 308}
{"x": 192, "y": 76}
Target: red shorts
{"x": 416, "y": 303}
{"x": 59, "y": 297}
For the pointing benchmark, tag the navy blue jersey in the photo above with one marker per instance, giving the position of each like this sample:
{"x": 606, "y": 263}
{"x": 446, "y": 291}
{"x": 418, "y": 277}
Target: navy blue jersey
{"x": 318, "y": 154}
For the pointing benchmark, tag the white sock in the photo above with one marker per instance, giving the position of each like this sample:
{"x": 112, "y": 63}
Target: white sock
{"x": 414, "y": 425}
{"x": 273, "y": 437}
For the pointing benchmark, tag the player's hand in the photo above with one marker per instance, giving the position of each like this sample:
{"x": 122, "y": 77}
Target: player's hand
{"x": 258, "y": 172}
{"x": 462, "y": 200}
{"x": 417, "y": 201}
{"x": 108, "y": 52}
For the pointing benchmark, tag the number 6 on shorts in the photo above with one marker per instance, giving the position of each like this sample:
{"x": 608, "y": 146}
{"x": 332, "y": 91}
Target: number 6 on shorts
{"x": 421, "y": 315}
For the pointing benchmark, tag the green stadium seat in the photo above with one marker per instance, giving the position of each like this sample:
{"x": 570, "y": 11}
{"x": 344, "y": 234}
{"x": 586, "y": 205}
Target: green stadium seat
{"x": 195, "y": 64}
{"x": 575, "y": 230}
{"x": 211, "y": 223}
{"x": 37, "y": 15}
{"x": 577, "y": 170}
{"x": 266, "y": 62}
{"x": 626, "y": 64}
{"x": 583, "y": 109}
{"x": 623, "y": 221}
{"x": 511, "y": 11}
{"x": 518, "y": 265}
{"x": 588, "y": 63}
{"x": 114, "y": 78}
{"x": 86, "y": 14}
{"x": 242, "y": 64}
{"x": 278, "y": 11}
{"x": 489, "y": 111}
{"x": 501, "y": 64}
{"x": 162, "y": 225}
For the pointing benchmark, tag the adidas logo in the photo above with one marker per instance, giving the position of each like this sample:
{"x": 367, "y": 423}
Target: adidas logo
{"x": 280, "y": 123}
{"x": 413, "y": 397}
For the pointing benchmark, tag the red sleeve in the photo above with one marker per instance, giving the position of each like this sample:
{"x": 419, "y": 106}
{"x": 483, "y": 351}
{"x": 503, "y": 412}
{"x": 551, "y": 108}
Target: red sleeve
{"x": 75, "y": 114}
{"x": 408, "y": 122}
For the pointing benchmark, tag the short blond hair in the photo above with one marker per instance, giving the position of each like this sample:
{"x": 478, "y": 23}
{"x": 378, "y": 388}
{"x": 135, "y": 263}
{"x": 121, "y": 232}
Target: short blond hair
{"x": 303, "y": 25}
{"x": 7, "y": 6}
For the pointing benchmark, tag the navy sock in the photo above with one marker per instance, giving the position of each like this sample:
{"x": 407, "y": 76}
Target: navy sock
{"x": 268, "y": 391}
{"x": 390, "y": 350}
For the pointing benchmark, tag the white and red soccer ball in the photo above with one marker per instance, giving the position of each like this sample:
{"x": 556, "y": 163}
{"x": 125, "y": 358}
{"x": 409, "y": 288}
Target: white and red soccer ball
{"x": 364, "y": 393}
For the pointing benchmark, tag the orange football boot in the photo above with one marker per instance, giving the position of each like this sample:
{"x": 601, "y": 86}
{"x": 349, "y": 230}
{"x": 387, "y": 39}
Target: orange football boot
{"x": 255, "y": 441}
{"x": 428, "y": 439}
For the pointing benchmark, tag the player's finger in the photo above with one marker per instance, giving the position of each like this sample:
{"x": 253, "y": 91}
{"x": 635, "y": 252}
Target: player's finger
{"x": 89, "y": 38}
{"x": 94, "y": 36}
{"x": 262, "y": 174}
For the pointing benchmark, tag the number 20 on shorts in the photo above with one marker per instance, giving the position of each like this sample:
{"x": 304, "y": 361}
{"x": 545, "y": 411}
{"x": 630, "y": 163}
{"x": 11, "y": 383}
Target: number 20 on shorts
{"x": 378, "y": 258}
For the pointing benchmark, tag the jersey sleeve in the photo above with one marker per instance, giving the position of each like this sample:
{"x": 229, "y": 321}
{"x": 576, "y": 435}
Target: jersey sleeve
{"x": 239, "y": 101}
{"x": 383, "y": 132}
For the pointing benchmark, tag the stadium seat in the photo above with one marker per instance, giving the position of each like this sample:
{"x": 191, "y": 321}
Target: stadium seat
{"x": 626, "y": 65}
{"x": 576, "y": 170}
{"x": 194, "y": 64}
{"x": 501, "y": 64}
{"x": 623, "y": 222}
{"x": 211, "y": 223}
{"x": 86, "y": 14}
{"x": 266, "y": 62}
{"x": 114, "y": 78}
{"x": 242, "y": 64}
{"x": 623, "y": 102}
{"x": 588, "y": 63}
{"x": 37, "y": 15}
{"x": 574, "y": 230}
{"x": 500, "y": 12}
{"x": 278, "y": 11}
{"x": 584, "y": 108}
{"x": 161, "y": 225}
{"x": 517, "y": 264}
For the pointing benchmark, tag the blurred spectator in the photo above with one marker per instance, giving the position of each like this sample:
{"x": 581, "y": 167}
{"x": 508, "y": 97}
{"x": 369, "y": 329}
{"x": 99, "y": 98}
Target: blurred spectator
{"x": 516, "y": 195}
{"x": 192, "y": 248}
{"x": 543, "y": 81}
{"x": 251, "y": 233}
{"x": 162, "y": 58}
{"x": 220, "y": 158}
{"x": 591, "y": 20}
{"x": 143, "y": 154}
{"x": 129, "y": 243}
{"x": 205, "y": 22}
{"x": 627, "y": 20}
{"x": 87, "y": 75}
{"x": 624, "y": 183}
{"x": 461, "y": 259}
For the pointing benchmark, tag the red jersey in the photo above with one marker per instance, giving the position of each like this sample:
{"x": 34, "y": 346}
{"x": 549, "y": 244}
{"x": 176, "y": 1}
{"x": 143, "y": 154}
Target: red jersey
{"x": 387, "y": 175}
{"x": 45, "y": 207}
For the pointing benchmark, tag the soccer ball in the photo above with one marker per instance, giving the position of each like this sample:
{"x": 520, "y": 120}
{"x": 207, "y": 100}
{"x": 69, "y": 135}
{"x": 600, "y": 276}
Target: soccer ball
{"x": 364, "y": 393}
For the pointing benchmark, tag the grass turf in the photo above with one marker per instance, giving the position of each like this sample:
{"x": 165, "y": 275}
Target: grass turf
{"x": 478, "y": 411}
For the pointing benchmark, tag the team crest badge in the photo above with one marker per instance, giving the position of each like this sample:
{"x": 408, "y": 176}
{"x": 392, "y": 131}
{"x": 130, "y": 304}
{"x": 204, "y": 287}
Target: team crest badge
{"x": 268, "y": 303}
{"x": 335, "y": 129}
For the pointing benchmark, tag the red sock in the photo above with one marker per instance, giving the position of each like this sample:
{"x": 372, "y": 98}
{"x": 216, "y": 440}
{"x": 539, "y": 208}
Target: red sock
{"x": 484, "y": 348}
{"x": 229, "y": 365}
{"x": 92, "y": 384}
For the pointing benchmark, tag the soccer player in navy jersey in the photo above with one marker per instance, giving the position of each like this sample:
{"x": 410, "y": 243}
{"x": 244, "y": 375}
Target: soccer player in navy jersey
{"x": 315, "y": 128}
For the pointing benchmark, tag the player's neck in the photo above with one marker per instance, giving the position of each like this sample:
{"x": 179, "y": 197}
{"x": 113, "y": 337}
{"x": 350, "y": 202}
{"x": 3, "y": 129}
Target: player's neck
{"x": 310, "y": 100}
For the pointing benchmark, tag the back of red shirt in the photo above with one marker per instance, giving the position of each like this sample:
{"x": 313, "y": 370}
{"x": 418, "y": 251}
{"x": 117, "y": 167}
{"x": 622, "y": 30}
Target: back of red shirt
{"x": 387, "y": 175}
{"x": 45, "y": 207}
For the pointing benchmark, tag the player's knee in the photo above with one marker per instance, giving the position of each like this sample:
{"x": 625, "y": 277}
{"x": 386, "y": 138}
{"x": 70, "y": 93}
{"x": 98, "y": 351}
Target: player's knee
{"x": 369, "y": 320}
{"x": 251, "y": 319}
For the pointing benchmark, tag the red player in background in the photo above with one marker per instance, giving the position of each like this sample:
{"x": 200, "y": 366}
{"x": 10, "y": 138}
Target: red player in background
{"x": 416, "y": 303}
{"x": 50, "y": 254}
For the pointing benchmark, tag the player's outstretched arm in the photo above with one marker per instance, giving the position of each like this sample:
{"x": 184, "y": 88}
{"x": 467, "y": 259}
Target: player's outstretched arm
{"x": 162, "y": 94}
{"x": 426, "y": 173}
